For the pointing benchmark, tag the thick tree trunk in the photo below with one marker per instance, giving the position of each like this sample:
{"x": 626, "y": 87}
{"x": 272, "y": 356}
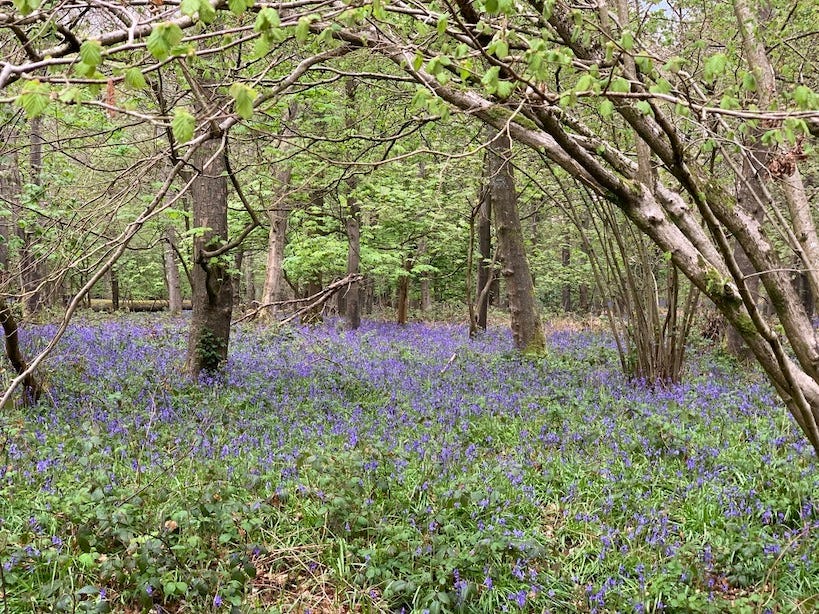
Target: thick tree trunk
{"x": 212, "y": 283}
{"x": 32, "y": 388}
{"x": 172, "y": 274}
{"x": 526, "y": 327}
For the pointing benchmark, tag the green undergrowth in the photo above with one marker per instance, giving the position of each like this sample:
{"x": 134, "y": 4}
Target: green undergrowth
{"x": 489, "y": 483}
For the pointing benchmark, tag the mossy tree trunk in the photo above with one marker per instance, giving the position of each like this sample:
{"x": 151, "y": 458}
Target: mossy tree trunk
{"x": 211, "y": 279}
{"x": 526, "y": 327}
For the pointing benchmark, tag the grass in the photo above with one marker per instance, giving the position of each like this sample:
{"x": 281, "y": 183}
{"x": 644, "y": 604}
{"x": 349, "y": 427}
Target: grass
{"x": 398, "y": 469}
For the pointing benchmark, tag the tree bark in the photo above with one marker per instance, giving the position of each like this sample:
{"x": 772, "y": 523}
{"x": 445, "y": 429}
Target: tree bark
{"x": 32, "y": 265}
{"x": 32, "y": 388}
{"x": 527, "y": 330}
{"x": 277, "y": 216}
{"x": 172, "y": 273}
{"x": 212, "y": 283}
{"x": 114, "y": 289}
{"x": 485, "y": 268}
{"x": 352, "y": 305}
{"x": 402, "y": 307}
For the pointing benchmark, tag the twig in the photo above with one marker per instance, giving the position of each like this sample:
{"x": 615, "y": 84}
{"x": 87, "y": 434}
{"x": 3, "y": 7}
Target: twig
{"x": 448, "y": 363}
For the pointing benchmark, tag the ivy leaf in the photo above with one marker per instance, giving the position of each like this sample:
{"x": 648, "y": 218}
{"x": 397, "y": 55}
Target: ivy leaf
{"x": 134, "y": 79}
{"x": 163, "y": 38}
{"x": 243, "y": 97}
{"x": 34, "y": 98}
{"x": 91, "y": 52}
{"x": 183, "y": 125}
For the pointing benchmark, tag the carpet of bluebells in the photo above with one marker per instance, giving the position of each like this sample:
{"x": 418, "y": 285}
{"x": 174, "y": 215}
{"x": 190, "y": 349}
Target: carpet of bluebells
{"x": 398, "y": 469}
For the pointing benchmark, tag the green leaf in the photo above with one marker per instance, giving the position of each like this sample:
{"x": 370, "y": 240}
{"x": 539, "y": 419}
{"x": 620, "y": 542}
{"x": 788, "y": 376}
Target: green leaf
{"x": 183, "y": 125}
{"x": 134, "y": 79}
{"x": 237, "y": 7}
{"x": 606, "y": 108}
{"x": 491, "y": 6}
{"x": 243, "y": 97}
{"x": 661, "y": 87}
{"x": 302, "y": 29}
{"x": 91, "y": 52}
{"x": 804, "y": 97}
{"x": 505, "y": 88}
{"x": 189, "y": 7}
{"x": 627, "y": 40}
{"x": 490, "y": 78}
{"x": 206, "y": 11}
{"x": 644, "y": 108}
{"x": 584, "y": 83}
{"x": 266, "y": 19}
{"x": 501, "y": 49}
{"x": 26, "y": 7}
{"x": 715, "y": 66}
{"x": 675, "y": 64}
{"x": 619, "y": 85}
{"x": 34, "y": 98}
{"x": 163, "y": 38}
{"x": 644, "y": 63}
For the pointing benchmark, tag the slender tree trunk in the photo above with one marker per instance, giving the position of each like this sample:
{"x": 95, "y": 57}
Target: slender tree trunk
{"x": 526, "y": 327}
{"x": 172, "y": 274}
{"x": 485, "y": 269}
{"x": 114, "y": 288}
{"x": 402, "y": 307}
{"x": 250, "y": 280}
{"x": 32, "y": 265}
{"x": 277, "y": 216}
{"x": 566, "y": 290}
{"x": 212, "y": 283}
{"x": 352, "y": 303}
{"x": 32, "y": 388}
{"x": 237, "y": 276}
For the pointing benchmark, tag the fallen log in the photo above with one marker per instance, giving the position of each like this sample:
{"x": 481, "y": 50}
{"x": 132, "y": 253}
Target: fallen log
{"x": 104, "y": 304}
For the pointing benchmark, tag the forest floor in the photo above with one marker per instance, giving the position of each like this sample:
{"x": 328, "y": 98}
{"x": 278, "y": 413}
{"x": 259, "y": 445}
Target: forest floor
{"x": 398, "y": 469}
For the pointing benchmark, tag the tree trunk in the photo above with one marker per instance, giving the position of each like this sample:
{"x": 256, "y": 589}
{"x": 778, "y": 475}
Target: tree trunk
{"x": 277, "y": 215}
{"x": 526, "y": 327}
{"x": 250, "y": 281}
{"x": 172, "y": 274}
{"x": 402, "y": 307}
{"x": 212, "y": 283}
{"x": 114, "y": 289}
{"x": 566, "y": 290}
{"x": 352, "y": 303}
{"x": 237, "y": 276}
{"x": 32, "y": 265}
{"x": 32, "y": 389}
{"x": 485, "y": 268}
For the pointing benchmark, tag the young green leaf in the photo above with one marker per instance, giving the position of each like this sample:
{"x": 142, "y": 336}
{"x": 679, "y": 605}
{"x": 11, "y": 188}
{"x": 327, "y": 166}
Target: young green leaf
{"x": 243, "y": 97}
{"x": 715, "y": 66}
{"x": 163, "y": 38}
{"x": 266, "y": 19}
{"x": 206, "y": 11}
{"x": 183, "y": 125}
{"x": 91, "y": 52}
{"x": 26, "y": 7}
{"x": 302, "y": 29}
{"x": 134, "y": 79}
{"x": 606, "y": 108}
{"x": 237, "y": 7}
{"x": 34, "y": 98}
